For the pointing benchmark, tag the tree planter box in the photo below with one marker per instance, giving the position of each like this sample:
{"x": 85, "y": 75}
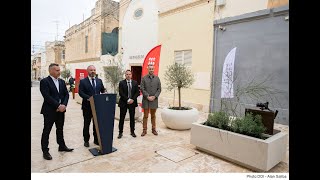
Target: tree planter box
{"x": 253, "y": 153}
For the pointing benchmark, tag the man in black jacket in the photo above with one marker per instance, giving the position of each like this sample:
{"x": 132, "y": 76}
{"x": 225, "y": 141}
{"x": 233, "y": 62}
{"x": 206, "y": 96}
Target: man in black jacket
{"x": 88, "y": 87}
{"x": 128, "y": 91}
{"x": 55, "y": 100}
{"x": 71, "y": 83}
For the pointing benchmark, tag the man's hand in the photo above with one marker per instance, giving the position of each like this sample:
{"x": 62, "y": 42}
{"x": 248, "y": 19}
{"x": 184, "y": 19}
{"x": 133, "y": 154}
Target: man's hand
{"x": 61, "y": 108}
{"x": 151, "y": 98}
{"x": 130, "y": 101}
{"x": 89, "y": 98}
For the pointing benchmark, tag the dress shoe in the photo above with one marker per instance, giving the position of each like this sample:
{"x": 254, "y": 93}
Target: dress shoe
{"x": 120, "y": 136}
{"x": 154, "y": 132}
{"x": 86, "y": 144}
{"x": 47, "y": 156}
{"x": 96, "y": 143}
{"x": 65, "y": 148}
{"x": 144, "y": 133}
{"x": 133, "y": 134}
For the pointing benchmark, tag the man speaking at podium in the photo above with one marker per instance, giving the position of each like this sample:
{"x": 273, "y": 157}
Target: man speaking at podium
{"x": 88, "y": 87}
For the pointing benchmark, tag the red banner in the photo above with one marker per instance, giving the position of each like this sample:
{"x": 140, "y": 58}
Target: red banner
{"x": 153, "y": 57}
{"x": 80, "y": 74}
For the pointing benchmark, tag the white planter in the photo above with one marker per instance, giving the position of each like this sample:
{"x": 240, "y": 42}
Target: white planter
{"x": 179, "y": 119}
{"x": 253, "y": 153}
{"x": 127, "y": 118}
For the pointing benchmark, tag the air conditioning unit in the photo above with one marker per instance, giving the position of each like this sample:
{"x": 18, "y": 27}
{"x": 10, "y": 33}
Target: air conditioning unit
{"x": 220, "y": 2}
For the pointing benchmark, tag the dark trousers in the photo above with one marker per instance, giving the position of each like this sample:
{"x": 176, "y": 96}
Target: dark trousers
{"x": 49, "y": 119}
{"x": 87, "y": 116}
{"x": 123, "y": 112}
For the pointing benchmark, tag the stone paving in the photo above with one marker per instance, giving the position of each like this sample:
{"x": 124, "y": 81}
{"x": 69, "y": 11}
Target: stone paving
{"x": 170, "y": 151}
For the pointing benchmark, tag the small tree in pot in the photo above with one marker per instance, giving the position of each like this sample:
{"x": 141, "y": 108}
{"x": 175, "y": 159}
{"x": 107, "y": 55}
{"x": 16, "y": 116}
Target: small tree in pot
{"x": 179, "y": 118}
{"x": 178, "y": 76}
{"x": 65, "y": 74}
{"x": 114, "y": 74}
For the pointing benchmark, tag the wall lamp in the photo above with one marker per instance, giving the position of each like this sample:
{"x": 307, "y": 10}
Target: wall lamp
{"x": 222, "y": 28}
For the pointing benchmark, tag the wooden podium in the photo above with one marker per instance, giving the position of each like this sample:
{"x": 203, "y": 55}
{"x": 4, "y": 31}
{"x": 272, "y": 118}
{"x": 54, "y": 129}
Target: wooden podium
{"x": 103, "y": 109}
{"x": 267, "y": 118}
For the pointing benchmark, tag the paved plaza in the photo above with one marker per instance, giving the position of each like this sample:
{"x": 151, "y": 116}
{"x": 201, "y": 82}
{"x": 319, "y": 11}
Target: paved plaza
{"x": 168, "y": 152}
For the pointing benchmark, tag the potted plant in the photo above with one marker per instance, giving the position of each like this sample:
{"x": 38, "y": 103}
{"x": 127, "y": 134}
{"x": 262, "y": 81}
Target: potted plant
{"x": 113, "y": 75}
{"x": 65, "y": 74}
{"x": 241, "y": 139}
{"x": 180, "y": 118}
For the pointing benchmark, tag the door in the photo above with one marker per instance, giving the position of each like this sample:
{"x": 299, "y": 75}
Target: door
{"x": 136, "y": 73}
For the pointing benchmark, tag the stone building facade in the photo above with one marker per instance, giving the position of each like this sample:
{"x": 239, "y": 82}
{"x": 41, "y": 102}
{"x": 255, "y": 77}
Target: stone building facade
{"x": 88, "y": 42}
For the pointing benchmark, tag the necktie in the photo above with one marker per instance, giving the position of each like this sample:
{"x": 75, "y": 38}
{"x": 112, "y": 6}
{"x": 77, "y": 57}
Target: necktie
{"x": 93, "y": 85}
{"x": 129, "y": 89}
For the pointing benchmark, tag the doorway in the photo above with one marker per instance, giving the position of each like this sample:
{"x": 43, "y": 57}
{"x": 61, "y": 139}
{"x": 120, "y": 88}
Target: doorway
{"x": 136, "y": 73}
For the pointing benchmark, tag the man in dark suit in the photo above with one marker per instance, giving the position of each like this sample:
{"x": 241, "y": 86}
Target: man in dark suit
{"x": 71, "y": 83}
{"x": 55, "y": 100}
{"x": 128, "y": 91}
{"x": 88, "y": 87}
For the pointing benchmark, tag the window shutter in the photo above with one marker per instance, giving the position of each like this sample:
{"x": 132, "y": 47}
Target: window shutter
{"x": 188, "y": 57}
{"x": 178, "y": 57}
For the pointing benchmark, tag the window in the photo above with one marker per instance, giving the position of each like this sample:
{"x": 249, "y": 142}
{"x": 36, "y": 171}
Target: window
{"x": 138, "y": 13}
{"x": 183, "y": 57}
{"x": 86, "y": 48}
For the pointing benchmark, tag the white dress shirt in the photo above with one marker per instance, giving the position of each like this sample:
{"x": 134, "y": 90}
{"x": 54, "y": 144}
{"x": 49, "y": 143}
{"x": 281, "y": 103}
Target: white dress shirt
{"x": 56, "y": 82}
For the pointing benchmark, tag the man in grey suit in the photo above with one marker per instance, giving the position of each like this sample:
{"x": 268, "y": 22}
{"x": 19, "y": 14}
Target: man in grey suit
{"x": 151, "y": 89}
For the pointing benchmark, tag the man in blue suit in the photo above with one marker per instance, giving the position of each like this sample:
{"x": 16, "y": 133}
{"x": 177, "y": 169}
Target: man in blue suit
{"x": 55, "y": 100}
{"x": 88, "y": 87}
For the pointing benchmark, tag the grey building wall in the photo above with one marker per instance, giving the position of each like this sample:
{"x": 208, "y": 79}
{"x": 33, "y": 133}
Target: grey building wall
{"x": 262, "y": 41}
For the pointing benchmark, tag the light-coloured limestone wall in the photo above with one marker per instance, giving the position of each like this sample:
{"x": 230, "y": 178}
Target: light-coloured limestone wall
{"x": 180, "y": 29}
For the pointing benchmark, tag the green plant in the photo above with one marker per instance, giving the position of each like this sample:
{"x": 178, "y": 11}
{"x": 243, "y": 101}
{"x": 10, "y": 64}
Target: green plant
{"x": 249, "y": 125}
{"x": 219, "y": 120}
{"x": 65, "y": 74}
{"x": 253, "y": 91}
{"x": 178, "y": 76}
{"x": 113, "y": 74}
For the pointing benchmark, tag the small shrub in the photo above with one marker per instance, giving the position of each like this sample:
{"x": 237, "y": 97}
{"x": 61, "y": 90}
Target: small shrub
{"x": 249, "y": 125}
{"x": 219, "y": 120}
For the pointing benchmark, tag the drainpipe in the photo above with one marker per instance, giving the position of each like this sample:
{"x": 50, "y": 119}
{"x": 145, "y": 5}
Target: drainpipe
{"x": 213, "y": 82}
